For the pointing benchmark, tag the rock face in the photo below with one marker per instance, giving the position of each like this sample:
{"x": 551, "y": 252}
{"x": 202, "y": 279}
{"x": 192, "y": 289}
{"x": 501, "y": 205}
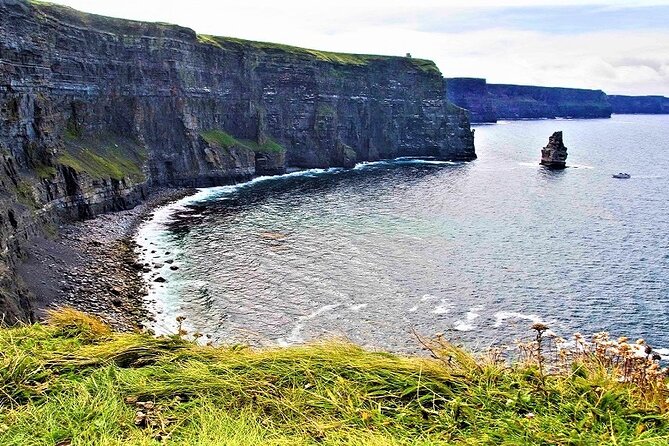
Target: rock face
{"x": 521, "y": 102}
{"x": 650, "y": 105}
{"x": 472, "y": 94}
{"x": 554, "y": 155}
{"x": 95, "y": 112}
{"x": 490, "y": 102}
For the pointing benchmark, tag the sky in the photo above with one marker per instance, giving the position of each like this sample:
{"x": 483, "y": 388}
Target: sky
{"x": 619, "y": 46}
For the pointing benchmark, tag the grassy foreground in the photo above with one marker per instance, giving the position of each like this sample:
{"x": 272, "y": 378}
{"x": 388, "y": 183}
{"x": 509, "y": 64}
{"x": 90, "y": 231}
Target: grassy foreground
{"x": 72, "y": 381}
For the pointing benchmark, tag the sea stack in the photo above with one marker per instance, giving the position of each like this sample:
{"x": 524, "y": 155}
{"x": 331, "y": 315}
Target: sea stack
{"x": 554, "y": 155}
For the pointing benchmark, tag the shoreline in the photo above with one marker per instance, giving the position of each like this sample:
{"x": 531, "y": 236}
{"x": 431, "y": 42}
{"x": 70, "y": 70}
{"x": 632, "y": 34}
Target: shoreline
{"x": 92, "y": 265}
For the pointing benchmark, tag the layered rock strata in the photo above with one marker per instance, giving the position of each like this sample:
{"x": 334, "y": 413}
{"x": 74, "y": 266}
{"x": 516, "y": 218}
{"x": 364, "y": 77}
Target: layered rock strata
{"x": 647, "y": 105}
{"x": 95, "y": 112}
{"x": 554, "y": 155}
{"x": 491, "y": 102}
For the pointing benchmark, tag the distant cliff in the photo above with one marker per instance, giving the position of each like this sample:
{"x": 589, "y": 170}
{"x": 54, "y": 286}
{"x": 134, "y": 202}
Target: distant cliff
{"x": 521, "y": 102}
{"x": 96, "y": 111}
{"x": 652, "y": 105}
{"x": 489, "y": 102}
{"x": 472, "y": 94}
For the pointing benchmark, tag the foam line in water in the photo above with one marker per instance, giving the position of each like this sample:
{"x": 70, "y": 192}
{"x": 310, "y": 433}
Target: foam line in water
{"x": 208, "y": 193}
{"x": 467, "y": 323}
{"x": 501, "y": 316}
{"x": 295, "y": 336}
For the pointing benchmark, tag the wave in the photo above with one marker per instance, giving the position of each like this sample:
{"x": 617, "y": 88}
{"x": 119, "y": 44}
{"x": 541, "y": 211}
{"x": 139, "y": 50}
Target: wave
{"x": 501, "y": 316}
{"x": 210, "y": 193}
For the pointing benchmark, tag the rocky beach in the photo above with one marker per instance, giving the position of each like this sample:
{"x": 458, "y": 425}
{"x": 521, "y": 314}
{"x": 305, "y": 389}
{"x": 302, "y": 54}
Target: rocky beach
{"x": 93, "y": 266}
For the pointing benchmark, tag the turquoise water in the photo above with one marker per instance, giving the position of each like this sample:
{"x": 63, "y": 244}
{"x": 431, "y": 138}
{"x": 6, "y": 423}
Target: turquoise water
{"x": 476, "y": 251}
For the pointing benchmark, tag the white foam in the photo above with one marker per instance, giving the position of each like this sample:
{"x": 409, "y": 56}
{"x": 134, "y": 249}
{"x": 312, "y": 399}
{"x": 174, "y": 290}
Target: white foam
{"x": 295, "y": 336}
{"x": 462, "y": 326}
{"x": 470, "y": 316}
{"x": 427, "y": 297}
{"x": 664, "y": 352}
{"x": 441, "y": 309}
{"x": 501, "y": 316}
{"x": 357, "y": 307}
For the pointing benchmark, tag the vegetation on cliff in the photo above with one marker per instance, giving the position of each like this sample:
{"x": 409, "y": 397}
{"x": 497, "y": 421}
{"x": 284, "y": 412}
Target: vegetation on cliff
{"x": 72, "y": 381}
{"x": 219, "y": 138}
{"x": 322, "y": 56}
{"x": 104, "y": 157}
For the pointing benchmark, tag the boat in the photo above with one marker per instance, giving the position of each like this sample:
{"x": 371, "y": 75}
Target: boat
{"x": 622, "y": 176}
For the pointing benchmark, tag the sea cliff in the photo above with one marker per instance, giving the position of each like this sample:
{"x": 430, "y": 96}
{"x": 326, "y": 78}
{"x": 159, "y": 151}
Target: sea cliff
{"x": 472, "y": 94}
{"x": 490, "y": 102}
{"x": 97, "y": 112}
{"x": 647, "y": 105}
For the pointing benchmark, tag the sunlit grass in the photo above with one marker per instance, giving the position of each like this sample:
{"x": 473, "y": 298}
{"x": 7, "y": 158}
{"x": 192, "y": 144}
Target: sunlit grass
{"x": 73, "y": 381}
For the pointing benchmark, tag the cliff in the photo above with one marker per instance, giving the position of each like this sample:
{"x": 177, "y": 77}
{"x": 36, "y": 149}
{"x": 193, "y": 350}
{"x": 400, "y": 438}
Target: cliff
{"x": 522, "y": 101}
{"x": 96, "y": 111}
{"x": 472, "y": 94}
{"x": 650, "y": 105}
{"x": 489, "y": 102}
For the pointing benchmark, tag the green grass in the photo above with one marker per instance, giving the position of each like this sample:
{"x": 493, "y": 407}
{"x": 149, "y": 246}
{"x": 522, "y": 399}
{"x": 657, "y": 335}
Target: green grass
{"x": 104, "y": 157}
{"x": 322, "y": 56}
{"x": 75, "y": 382}
{"x": 26, "y": 195}
{"x": 44, "y": 172}
{"x": 131, "y": 27}
{"x": 223, "y": 140}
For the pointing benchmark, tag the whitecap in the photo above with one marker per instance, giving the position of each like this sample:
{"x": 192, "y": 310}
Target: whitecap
{"x": 462, "y": 326}
{"x": 441, "y": 309}
{"x": 427, "y": 297}
{"x": 501, "y": 316}
{"x": 357, "y": 307}
{"x": 470, "y": 316}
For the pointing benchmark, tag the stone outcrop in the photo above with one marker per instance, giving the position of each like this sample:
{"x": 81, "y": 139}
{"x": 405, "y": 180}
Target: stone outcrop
{"x": 491, "y": 102}
{"x": 649, "y": 105}
{"x": 96, "y": 111}
{"x": 554, "y": 155}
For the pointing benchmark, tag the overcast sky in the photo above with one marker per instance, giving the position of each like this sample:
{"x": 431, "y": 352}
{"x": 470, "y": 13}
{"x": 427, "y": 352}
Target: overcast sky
{"x": 620, "y": 46}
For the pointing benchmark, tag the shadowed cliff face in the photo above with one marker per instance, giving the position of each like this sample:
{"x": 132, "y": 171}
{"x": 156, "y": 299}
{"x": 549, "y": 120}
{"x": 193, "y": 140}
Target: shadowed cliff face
{"x": 490, "y": 102}
{"x": 471, "y": 94}
{"x": 521, "y": 101}
{"x": 96, "y": 111}
{"x": 652, "y": 105}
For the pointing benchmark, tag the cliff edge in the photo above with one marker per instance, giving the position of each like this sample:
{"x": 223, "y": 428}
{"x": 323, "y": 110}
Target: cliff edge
{"x": 97, "y": 111}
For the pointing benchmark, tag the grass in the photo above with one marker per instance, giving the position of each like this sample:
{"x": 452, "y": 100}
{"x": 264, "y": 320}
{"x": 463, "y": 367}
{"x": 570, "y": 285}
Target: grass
{"x": 130, "y": 27}
{"x": 44, "y": 172}
{"x": 322, "y": 56}
{"x": 104, "y": 157}
{"x": 26, "y": 195}
{"x": 72, "y": 381}
{"x": 223, "y": 140}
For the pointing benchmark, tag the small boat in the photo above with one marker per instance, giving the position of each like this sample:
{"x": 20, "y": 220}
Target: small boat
{"x": 622, "y": 176}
